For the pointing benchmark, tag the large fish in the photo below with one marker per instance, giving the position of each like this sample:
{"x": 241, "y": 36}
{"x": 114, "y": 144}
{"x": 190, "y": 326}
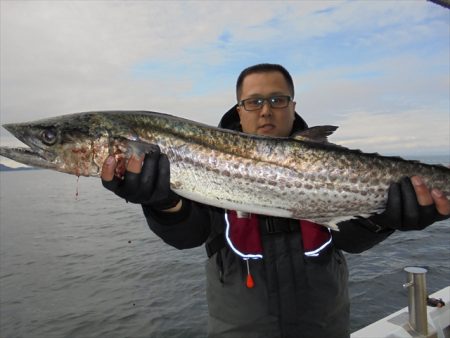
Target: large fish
{"x": 302, "y": 177}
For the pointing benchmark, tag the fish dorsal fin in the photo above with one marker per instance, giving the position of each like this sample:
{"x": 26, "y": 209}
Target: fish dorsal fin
{"x": 317, "y": 134}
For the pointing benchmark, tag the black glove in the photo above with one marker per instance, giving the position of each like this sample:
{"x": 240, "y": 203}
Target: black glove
{"x": 151, "y": 187}
{"x": 403, "y": 212}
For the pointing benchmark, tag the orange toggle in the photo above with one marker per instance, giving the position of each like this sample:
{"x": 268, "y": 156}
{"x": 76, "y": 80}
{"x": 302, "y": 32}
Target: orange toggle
{"x": 250, "y": 282}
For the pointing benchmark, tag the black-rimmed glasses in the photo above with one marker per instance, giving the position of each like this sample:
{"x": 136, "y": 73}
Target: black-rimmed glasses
{"x": 281, "y": 101}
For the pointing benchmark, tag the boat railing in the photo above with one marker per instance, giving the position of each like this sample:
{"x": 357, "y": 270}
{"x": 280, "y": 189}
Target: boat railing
{"x": 417, "y": 299}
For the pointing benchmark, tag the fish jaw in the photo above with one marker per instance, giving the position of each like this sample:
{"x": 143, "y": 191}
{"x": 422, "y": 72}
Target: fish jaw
{"x": 76, "y": 144}
{"x": 27, "y": 156}
{"x": 81, "y": 161}
{"x": 33, "y": 156}
{"x": 54, "y": 146}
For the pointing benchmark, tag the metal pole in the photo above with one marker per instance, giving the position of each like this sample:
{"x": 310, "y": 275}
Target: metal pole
{"x": 417, "y": 299}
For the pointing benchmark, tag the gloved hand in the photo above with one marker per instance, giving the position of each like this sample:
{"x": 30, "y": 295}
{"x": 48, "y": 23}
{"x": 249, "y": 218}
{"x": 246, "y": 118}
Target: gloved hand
{"x": 149, "y": 187}
{"x": 403, "y": 212}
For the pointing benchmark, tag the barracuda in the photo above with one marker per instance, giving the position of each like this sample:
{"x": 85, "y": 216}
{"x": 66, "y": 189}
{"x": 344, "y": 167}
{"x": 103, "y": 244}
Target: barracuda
{"x": 302, "y": 177}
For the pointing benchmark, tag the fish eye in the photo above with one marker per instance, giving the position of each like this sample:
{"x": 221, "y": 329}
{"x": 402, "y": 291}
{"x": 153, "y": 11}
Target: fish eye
{"x": 49, "y": 136}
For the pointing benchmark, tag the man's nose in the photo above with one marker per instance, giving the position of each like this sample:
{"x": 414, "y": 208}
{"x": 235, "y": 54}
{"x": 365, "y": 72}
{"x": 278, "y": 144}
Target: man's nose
{"x": 266, "y": 109}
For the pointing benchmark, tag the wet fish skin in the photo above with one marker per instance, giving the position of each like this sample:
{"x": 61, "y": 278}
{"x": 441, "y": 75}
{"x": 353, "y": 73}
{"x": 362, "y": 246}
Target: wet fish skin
{"x": 285, "y": 177}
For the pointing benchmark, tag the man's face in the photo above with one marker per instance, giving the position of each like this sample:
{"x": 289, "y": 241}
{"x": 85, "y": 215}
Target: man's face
{"x": 267, "y": 120}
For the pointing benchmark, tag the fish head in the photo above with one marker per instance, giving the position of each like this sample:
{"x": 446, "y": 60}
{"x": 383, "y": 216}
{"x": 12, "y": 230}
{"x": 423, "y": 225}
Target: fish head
{"x": 75, "y": 144}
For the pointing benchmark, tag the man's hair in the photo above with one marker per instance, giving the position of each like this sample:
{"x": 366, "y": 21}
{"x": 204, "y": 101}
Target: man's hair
{"x": 264, "y": 68}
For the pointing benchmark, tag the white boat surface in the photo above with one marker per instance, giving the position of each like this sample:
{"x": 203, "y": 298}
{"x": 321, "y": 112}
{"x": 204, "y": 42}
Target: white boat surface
{"x": 397, "y": 324}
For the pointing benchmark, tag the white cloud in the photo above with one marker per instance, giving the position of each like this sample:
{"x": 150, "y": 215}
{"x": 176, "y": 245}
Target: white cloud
{"x": 407, "y": 132}
{"x": 391, "y": 84}
{"x": 346, "y": 57}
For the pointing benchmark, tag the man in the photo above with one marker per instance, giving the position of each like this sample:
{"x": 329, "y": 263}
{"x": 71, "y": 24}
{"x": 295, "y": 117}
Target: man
{"x": 269, "y": 276}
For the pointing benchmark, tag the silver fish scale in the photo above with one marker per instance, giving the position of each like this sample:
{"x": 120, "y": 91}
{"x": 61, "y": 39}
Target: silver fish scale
{"x": 237, "y": 182}
{"x": 287, "y": 179}
{"x": 274, "y": 176}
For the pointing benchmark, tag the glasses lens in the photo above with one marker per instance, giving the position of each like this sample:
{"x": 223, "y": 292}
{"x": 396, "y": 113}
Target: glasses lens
{"x": 279, "y": 101}
{"x": 274, "y": 101}
{"x": 253, "y": 104}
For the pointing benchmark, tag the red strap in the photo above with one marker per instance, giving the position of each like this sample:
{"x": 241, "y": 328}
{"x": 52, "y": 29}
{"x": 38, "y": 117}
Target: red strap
{"x": 244, "y": 233}
{"x": 313, "y": 235}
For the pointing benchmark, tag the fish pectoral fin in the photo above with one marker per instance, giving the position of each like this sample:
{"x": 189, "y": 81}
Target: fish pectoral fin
{"x": 333, "y": 222}
{"x": 134, "y": 147}
{"x": 318, "y": 134}
{"x": 141, "y": 148}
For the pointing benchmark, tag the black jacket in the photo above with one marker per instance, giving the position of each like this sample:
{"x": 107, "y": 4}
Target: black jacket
{"x": 294, "y": 295}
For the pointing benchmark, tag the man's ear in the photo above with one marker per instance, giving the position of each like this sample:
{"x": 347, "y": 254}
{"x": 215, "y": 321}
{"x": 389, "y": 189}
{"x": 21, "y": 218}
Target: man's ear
{"x": 238, "y": 109}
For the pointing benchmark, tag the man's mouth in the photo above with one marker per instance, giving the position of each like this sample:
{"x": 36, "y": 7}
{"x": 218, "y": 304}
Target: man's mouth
{"x": 266, "y": 127}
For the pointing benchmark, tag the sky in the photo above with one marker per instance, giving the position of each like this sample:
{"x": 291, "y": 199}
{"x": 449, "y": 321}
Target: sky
{"x": 380, "y": 70}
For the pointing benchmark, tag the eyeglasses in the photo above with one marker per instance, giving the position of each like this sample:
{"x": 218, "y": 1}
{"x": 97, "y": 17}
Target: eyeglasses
{"x": 257, "y": 103}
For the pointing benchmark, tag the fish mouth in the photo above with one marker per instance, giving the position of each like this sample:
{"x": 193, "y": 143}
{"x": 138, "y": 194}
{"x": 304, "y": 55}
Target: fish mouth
{"x": 33, "y": 155}
{"x": 26, "y": 156}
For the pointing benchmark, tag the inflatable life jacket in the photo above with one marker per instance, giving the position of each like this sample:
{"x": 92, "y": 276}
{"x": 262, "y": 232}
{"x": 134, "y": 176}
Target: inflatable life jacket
{"x": 243, "y": 235}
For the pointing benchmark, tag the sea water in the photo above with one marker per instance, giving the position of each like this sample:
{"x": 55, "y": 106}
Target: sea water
{"x": 77, "y": 261}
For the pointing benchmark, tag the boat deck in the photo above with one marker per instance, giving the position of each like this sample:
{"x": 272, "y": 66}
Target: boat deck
{"x": 397, "y": 325}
